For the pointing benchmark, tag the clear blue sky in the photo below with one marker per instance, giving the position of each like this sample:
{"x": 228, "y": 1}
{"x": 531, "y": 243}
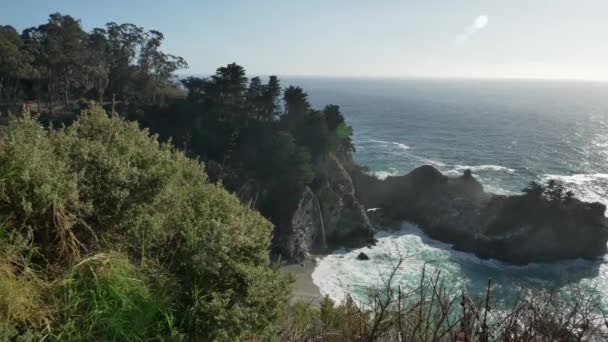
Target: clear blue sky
{"x": 394, "y": 38}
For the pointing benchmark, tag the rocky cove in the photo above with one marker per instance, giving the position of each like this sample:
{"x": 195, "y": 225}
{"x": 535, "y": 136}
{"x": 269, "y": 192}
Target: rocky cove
{"x": 517, "y": 229}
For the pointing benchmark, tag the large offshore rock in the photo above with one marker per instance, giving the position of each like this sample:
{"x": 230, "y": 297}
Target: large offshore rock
{"x": 516, "y": 229}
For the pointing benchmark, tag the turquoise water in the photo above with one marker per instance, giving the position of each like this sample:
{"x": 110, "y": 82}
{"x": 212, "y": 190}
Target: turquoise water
{"x": 340, "y": 273}
{"x": 507, "y": 132}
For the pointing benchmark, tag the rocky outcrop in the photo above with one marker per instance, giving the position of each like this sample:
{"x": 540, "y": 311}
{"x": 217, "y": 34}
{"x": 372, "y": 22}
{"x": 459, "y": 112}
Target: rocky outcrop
{"x": 346, "y": 223}
{"x": 362, "y": 256}
{"x": 517, "y": 229}
{"x": 305, "y": 228}
{"x": 329, "y": 215}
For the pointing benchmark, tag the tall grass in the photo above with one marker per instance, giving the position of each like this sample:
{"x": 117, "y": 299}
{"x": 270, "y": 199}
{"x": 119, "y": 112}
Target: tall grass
{"x": 106, "y": 297}
{"x": 24, "y": 308}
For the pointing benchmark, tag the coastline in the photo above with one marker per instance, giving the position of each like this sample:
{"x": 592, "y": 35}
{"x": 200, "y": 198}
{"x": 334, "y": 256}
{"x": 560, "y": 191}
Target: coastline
{"x": 304, "y": 289}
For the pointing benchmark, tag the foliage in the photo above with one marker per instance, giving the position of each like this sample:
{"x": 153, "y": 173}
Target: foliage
{"x": 14, "y": 61}
{"x": 58, "y": 60}
{"x": 264, "y": 154}
{"x": 553, "y": 192}
{"x": 105, "y": 186}
{"x": 233, "y": 123}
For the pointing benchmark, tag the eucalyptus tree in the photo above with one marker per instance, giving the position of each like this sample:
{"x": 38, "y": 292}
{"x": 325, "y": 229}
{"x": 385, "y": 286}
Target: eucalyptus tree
{"x": 156, "y": 67}
{"x": 66, "y": 47}
{"x": 15, "y": 62}
{"x": 124, "y": 42}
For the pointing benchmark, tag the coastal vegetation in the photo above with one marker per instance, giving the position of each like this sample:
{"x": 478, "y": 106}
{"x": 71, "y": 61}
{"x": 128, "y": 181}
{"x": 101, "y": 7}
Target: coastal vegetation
{"x": 53, "y": 64}
{"x": 260, "y": 141}
{"x": 108, "y": 234}
{"x": 135, "y": 206}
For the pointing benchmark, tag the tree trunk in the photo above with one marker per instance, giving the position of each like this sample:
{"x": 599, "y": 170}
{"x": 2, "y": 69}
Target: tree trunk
{"x": 16, "y": 89}
{"x": 37, "y": 91}
{"x": 100, "y": 91}
{"x": 67, "y": 90}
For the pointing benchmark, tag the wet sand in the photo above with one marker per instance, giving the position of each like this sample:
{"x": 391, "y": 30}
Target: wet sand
{"x": 304, "y": 289}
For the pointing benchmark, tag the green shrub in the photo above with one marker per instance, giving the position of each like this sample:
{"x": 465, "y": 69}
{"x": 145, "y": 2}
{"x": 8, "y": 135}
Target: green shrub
{"x": 103, "y": 184}
{"x": 41, "y": 198}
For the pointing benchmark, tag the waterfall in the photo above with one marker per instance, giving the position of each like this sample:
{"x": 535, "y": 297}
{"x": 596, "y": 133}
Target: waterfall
{"x": 314, "y": 197}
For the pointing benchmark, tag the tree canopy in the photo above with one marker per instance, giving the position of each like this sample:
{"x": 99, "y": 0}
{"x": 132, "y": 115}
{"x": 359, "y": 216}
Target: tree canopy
{"x": 60, "y": 62}
{"x": 264, "y": 143}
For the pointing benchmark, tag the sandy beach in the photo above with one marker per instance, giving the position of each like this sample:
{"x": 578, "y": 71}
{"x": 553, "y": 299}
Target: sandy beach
{"x": 304, "y": 289}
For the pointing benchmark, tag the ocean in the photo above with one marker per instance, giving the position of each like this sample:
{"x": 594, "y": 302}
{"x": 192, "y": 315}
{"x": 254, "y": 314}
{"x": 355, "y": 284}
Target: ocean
{"x": 508, "y": 132}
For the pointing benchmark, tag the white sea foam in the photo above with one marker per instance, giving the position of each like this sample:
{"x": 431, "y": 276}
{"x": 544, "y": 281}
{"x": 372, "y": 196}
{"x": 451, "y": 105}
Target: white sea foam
{"x": 384, "y": 174}
{"x": 591, "y": 187}
{"x": 341, "y": 273}
{"x": 577, "y": 178}
{"x": 432, "y": 162}
{"x": 498, "y": 190}
{"x": 428, "y": 161}
{"x": 391, "y": 143}
{"x": 477, "y": 168}
{"x": 601, "y": 144}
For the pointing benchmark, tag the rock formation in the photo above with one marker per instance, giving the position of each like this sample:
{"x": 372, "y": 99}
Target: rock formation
{"x": 305, "y": 227}
{"x": 346, "y": 223}
{"x": 362, "y": 256}
{"x": 329, "y": 215}
{"x": 516, "y": 229}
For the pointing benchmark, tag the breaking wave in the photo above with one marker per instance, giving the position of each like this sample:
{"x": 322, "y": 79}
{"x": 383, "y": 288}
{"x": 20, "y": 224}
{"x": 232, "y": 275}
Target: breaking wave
{"x": 578, "y": 179}
{"x": 384, "y": 174}
{"x": 391, "y": 143}
{"x": 340, "y": 273}
{"x": 478, "y": 168}
{"x": 591, "y": 187}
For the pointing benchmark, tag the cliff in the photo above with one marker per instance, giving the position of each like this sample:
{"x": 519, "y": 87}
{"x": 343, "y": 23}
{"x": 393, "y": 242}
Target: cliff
{"x": 517, "y": 229}
{"x": 329, "y": 215}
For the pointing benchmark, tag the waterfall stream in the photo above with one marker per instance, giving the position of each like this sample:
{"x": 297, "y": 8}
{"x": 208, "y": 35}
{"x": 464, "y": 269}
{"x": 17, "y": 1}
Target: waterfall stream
{"x": 314, "y": 197}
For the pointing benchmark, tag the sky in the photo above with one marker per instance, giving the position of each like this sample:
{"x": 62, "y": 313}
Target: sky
{"x": 547, "y": 39}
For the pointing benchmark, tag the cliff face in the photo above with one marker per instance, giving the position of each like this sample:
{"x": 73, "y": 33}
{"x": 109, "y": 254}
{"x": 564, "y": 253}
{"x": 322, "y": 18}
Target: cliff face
{"x": 517, "y": 229}
{"x": 306, "y": 228}
{"x": 329, "y": 216}
{"x": 346, "y": 223}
